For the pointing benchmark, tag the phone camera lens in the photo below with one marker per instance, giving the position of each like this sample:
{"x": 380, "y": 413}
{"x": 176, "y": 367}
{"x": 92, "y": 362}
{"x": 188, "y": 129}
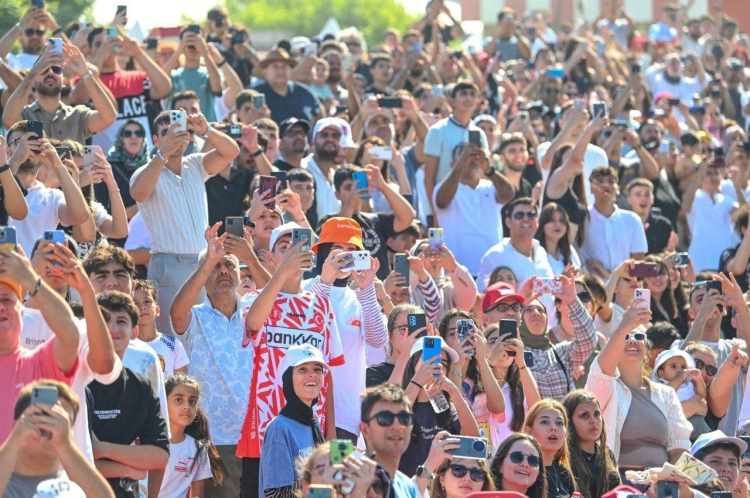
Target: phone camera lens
{"x": 479, "y": 446}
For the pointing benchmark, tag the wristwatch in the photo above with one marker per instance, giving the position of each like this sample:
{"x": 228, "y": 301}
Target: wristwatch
{"x": 423, "y": 473}
{"x": 256, "y": 153}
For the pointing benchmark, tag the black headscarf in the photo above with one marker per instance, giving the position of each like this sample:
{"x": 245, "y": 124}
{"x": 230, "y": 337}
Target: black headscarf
{"x": 298, "y": 411}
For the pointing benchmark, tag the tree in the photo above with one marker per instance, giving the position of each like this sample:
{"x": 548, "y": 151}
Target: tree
{"x": 307, "y": 18}
{"x": 65, "y": 11}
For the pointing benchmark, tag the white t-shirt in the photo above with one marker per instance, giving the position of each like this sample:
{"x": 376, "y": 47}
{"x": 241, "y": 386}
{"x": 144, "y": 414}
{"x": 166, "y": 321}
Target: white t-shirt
{"x": 683, "y": 90}
{"x": 710, "y": 222}
{"x": 44, "y": 204}
{"x": 183, "y": 469}
{"x": 727, "y": 188}
{"x": 138, "y": 235}
{"x": 468, "y": 234}
{"x": 612, "y": 240}
{"x": 558, "y": 266}
{"x": 141, "y": 359}
{"x": 325, "y": 193}
{"x": 593, "y": 158}
{"x": 171, "y": 353}
{"x": 21, "y": 61}
{"x": 34, "y": 332}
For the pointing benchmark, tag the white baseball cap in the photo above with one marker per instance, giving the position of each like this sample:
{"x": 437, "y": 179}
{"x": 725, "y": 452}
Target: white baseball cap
{"x": 716, "y": 437}
{"x": 342, "y": 126}
{"x": 419, "y": 346}
{"x": 300, "y": 354}
{"x": 282, "y": 230}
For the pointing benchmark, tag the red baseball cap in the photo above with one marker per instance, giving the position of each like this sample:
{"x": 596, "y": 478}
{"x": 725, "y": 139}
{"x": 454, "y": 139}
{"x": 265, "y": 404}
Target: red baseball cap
{"x": 663, "y": 95}
{"x": 497, "y": 293}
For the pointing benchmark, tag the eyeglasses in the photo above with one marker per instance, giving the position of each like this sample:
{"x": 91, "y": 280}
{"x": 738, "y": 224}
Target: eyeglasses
{"x": 584, "y": 297}
{"x": 476, "y": 475}
{"x": 531, "y": 215}
{"x": 701, "y": 365}
{"x": 130, "y": 133}
{"x": 31, "y": 32}
{"x": 15, "y": 141}
{"x": 518, "y": 457}
{"x": 508, "y": 136}
{"x": 635, "y": 336}
{"x": 386, "y": 418}
{"x": 503, "y": 307}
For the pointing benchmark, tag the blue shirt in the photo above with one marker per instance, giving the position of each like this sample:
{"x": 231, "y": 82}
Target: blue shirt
{"x": 285, "y": 441}
{"x": 403, "y": 487}
{"x": 299, "y": 102}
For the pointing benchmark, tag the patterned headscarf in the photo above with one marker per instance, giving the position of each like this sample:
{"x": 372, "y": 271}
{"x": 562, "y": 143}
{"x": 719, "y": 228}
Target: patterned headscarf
{"x": 118, "y": 153}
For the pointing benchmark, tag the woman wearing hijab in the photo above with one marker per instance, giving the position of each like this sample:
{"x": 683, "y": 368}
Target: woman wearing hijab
{"x": 295, "y": 431}
{"x": 554, "y": 365}
{"x": 129, "y": 153}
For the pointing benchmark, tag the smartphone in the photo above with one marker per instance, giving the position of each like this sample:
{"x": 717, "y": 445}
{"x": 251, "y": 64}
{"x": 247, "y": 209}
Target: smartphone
{"x": 178, "y": 117}
{"x": 152, "y": 43}
{"x": 320, "y": 491}
{"x": 39, "y": 4}
{"x": 667, "y": 489}
{"x": 63, "y": 152}
{"x": 360, "y": 182}
{"x": 238, "y": 37}
{"x": 381, "y": 152}
{"x": 359, "y": 260}
{"x": 431, "y": 351}
{"x": 680, "y": 260}
{"x": 390, "y": 103}
{"x": 556, "y": 72}
{"x": 112, "y": 33}
{"x": 234, "y": 131}
{"x": 310, "y": 49}
{"x": 509, "y": 327}
{"x": 437, "y": 91}
{"x": 547, "y": 285}
{"x": 340, "y": 449}
{"x": 464, "y": 328}
{"x": 713, "y": 284}
{"x": 89, "y": 154}
{"x": 86, "y": 25}
{"x": 674, "y": 102}
{"x": 635, "y": 68}
{"x": 523, "y": 115}
{"x": 280, "y": 179}
{"x": 600, "y": 109}
{"x": 302, "y": 234}
{"x": 644, "y": 294}
{"x": 664, "y": 146}
{"x": 45, "y": 395}
{"x": 641, "y": 270}
{"x": 8, "y": 239}
{"x": 235, "y": 225}
{"x": 475, "y": 138}
{"x": 122, "y": 9}
{"x": 532, "y": 33}
{"x": 528, "y": 358}
{"x": 401, "y": 265}
{"x": 746, "y": 439}
{"x": 416, "y": 321}
{"x": 268, "y": 183}
{"x": 436, "y": 236}
{"x": 259, "y": 101}
{"x": 718, "y": 161}
{"x": 56, "y": 45}
{"x": 55, "y": 236}
{"x": 341, "y": 109}
{"x": 35, "y": 127}
{"x": 194, "y": 28}
{"x": 471, "y": 447}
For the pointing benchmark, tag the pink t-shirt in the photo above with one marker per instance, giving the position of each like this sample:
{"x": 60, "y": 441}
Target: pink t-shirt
{"x": 23, "y": 367}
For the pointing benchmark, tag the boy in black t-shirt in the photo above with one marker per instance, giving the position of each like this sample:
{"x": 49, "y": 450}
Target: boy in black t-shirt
{"x": 127, "y": 411}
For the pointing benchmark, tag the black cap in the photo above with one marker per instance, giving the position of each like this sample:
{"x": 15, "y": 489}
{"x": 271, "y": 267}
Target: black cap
{"x": 285, "y": 125}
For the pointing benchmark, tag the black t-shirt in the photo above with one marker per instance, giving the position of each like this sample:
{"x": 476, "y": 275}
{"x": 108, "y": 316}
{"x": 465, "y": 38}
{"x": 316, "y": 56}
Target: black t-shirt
{"x": 299, "y": 102}
{"x": 226, "y": 196}
{"x": 728, "y": 254}
{"x": 559, "y": 481}
{"x": 283, "y": 165}
{"x": 376, "y": 228}
{"x": 125, "y": 411}
{"x": 372, "y": 89}
{"x": 378, "y": 374}
{"x": 667, "y": 199}
{"x": 3, "y": 211}
{"x": 426, "y": 427}
{"x": 122, "y": 177}
{"x": 658, "y": 232}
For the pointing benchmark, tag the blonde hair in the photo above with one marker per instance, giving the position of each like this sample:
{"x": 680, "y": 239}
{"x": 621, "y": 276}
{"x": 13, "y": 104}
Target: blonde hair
{"x": 562, "y": 456}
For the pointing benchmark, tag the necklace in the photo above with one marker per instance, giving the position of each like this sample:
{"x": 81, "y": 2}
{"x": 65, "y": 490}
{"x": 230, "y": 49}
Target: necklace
{"x": 555, "y": 478}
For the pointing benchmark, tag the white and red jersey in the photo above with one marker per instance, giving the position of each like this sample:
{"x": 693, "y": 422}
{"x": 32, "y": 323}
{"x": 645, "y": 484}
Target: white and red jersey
{"x": 295, "y": 319}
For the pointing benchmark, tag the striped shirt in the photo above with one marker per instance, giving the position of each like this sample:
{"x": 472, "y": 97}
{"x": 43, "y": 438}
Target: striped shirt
{"x": 176, "y": 212}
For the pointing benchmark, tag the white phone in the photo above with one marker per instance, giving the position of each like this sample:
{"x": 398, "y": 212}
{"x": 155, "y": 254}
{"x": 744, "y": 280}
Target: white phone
{"x": 644, "y": 294}
{"x": 381, "y": 152}
{"x": 178, "y": 117}
{"x": 56, "y": 45}
{"x": 360, "y": 261}
{"x": 89, "y": 154}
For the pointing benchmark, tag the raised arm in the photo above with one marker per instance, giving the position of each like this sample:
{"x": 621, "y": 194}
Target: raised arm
{"x": 13, "y": 199}
{"x": 19, "y": 98}
{"x": 225, "y": 148}
{"x": 610, "y": 355}
{"x": 214, "y": 78}
{"x": 401, "y": 208}
{"x": 449, "y": 186}
{"x": 106, "y": 112}
{"x": 74, "y": 211}
{"x": 144, "y": 180}
{"x": 695, "y": 183}
{"x": 161, "y": 83}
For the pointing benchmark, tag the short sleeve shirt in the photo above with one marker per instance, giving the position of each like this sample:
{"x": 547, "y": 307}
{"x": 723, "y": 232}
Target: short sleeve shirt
{"x": 185, "y": 467}
{"x": 442, "y": 138}
{"x": 299, "y": 102}
{"x": 171, "y": 353}
{"x": 67, "y": 122}
{"x": 197, "y": 80}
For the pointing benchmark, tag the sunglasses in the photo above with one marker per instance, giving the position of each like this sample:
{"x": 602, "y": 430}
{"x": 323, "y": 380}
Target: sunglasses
{"x": 130, "y": 133}
{"x": 701, "y": 365}
{"x": 635, "y": 336}
{"x": 518, "y": 457}
{"x": 503, "y": 307}
{"x": 386, "y": 418}
{"x": 584, "y": 297}
{"x": 31, "y": 32}
{"x": 476, "y": 475}
{"x": 531, "y": 215}
{"x": 54, "y": 69}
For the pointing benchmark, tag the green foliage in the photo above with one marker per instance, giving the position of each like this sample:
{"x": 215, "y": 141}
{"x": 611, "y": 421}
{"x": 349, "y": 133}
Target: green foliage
{"x": 308, "y": 17}
{"x": 64, "y": 11}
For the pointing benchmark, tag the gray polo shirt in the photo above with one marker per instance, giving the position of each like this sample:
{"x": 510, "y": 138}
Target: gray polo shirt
{"x": 67, "y": 123}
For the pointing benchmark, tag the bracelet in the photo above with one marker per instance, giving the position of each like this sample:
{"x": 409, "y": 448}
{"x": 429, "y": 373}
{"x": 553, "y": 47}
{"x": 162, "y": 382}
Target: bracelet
{"x": 160, "y": 155}
{"x": 88, "y": 75}
{"x": 410, "y": 382}
{"x": 5, "y": 168}
{"x": 457, "y": 373}
{"x": 36, "y": 287}
{"x": 522, "y": 368}
{"x": 257, "y": 153}
{"x": 114, "y": 191}
{"x": 222, "y": 62}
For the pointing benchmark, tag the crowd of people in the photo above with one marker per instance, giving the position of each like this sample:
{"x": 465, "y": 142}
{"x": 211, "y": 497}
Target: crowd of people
{"x": 321, "y": 269}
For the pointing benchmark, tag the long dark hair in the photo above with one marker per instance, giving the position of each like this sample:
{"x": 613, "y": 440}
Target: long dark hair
{"x": 324, "y": 250}
{"x": 198, "y": 429}
{"x": 444, "y": 419}
{"x": 536, "y": 490}
{"x": 667, "y": 299}
{"x": 604, "y": 463}
{"x": 515, "y": 386}
{"x": 563, "y": 245}
{"x": 472, "y": 371}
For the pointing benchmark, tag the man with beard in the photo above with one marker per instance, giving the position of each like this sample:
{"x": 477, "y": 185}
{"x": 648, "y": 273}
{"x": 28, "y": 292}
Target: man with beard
{"x": 30, "y": 32}
{"x": 514, "y": 152}
{"x": 293, "y": 134}
{"x": 60, "y": 121}
{"x": 47, "y": 207}
{"x": 669, "y": 77}
{"x": 326, "y": 137}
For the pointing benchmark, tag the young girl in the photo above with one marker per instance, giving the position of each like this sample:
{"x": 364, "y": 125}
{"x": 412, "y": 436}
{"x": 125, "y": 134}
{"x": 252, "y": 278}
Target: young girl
{"x": 517, "y": 466}
{"x": 192, "y": 456}
{"x": 547, "y": 421}
{"x": 592, "y": 462}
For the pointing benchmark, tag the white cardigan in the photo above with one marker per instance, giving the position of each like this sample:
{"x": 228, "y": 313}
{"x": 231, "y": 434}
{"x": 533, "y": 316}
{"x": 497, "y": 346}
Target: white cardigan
{"x": 615, "y": 397}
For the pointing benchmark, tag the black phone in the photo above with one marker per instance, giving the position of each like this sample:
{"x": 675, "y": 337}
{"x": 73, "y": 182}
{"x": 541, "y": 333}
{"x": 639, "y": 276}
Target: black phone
{"x": 390, "y": 103}
{"x": 280, "y": 178}
{"x": 341, "y": 109}
{"x": 746, "y": 146}
{"x": 194, "y": 28}
{"x": 401, "y": 265}
{"x": 39, "y": 4}
{"x": 235, "y": 225}
{"x": 528, "y": 358}
{"x": 509, "y": 327}
{"x": 674, "y": 102}
{"x": 152, "y": 43}
{"x": 63, "y": 152}
{"x": 635, "y": 68}
{"x": 746, "y": 440}
{"x": 122, "y": 9}
{"x": 714, "y": 284}
{"x": 35, "y": 127}
{"x": 416, "y": 321}
{"x": 475, "y": 138}
{"x": 667, "y": 489}
{"x": 238, "y": 37}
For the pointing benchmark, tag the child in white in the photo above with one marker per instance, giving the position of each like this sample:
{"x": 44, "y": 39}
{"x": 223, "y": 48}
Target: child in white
{"x": 192, "y": 456}
{"x": 170, "y": 351}
{"x": 676, "y": 369}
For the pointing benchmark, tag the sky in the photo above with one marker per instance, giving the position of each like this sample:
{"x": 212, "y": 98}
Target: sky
{"x": 152, "y": 13}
